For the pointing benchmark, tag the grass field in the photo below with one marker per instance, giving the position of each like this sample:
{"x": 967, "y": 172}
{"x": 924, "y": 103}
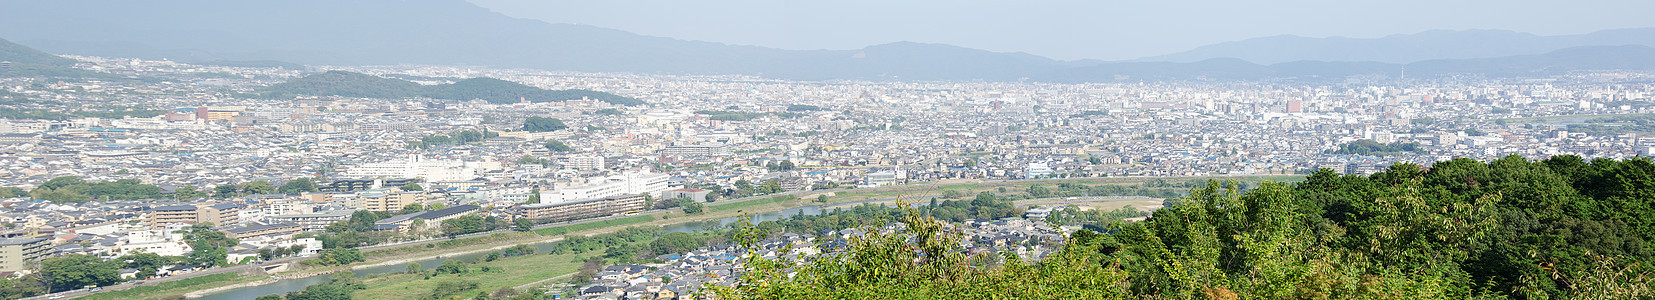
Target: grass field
{"x": 595, "y": 225}
{"x": 174, "y": 288}
{"x": 747, "y": 205}
{"x": 515, "y": 271}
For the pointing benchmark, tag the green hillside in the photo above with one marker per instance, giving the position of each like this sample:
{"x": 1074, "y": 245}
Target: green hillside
{"x": 345, "y": 84}
{"x": 28, "y": 62}
{"x": 23, "y": 55}
{"x": 349, "y": 84}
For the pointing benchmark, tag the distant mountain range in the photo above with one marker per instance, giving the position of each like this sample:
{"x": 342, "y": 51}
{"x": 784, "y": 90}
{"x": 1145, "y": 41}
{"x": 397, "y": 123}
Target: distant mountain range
{"x": 1407, "y": 48}
{"x": 1557, "y": 62}
{"x": 350, "y": 84}
{"x": 456, "y": 32}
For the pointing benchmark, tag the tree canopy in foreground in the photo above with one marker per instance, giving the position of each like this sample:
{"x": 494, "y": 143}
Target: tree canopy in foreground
{"x": 1561, "y": 228}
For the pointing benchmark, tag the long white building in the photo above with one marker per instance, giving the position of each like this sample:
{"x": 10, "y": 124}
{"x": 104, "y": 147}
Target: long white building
{"x": 417, "y": 167}
{"x": 652, "y": 184}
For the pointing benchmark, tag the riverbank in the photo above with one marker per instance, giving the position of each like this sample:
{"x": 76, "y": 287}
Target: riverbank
{"x": 199, "y": 293}
{"x": 417, "y": 251}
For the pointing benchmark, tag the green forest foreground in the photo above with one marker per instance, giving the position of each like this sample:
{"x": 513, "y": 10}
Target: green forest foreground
{"x": 1560, "y": 228}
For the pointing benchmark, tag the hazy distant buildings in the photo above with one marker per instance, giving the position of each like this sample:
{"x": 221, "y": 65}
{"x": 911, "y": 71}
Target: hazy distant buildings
{"x": 416, "y": 167}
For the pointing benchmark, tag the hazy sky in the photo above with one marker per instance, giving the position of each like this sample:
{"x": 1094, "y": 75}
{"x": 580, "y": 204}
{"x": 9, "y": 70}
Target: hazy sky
{"x": 1067, "y": 29}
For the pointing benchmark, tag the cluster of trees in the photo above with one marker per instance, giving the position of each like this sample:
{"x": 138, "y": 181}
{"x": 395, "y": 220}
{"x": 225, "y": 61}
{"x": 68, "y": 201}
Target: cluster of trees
{"x": 356, "y": 231}
{"x": 1510, "y": 228}
{"x": 273, "y": 253}
{"x": 211, "y": 247}
{"x": 1370, "y": 147}
{"x": 460, "y": 137}
{"x": 255, "y": 187}
{"x": 785, "y": 165}
{"x": 340, "y": 286}
{"x": 803, "y": 107}
{"x": 72, "y": 189}
{"x": 350, "y": 84}
{"x": 690, "y": 205}
{"x": 633, "y": 244}
{"x": 543, "y": 124}
{"x": 985, "y": 206}
{"x": 77, "y": 271}
{"x": 558, "y": 146}
{"x": 472, "y": 223}
{"x": 337, "y": 256}
{"x": 744, "y": 188}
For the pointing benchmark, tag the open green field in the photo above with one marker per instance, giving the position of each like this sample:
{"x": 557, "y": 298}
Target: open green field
{"x": 514, "y": 271}
{"x": 595, "y": 225}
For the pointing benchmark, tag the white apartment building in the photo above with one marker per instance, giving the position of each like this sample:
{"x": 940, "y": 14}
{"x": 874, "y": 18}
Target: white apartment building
{"x": 652, "y": 184}
{"x": 585, "y": 163}
{"x": 427, "y": 169}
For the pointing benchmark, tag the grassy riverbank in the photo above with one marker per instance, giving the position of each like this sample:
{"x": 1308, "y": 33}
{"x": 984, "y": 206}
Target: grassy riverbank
{"x": 173, "y": 289}
{"x": 511, "y": 272}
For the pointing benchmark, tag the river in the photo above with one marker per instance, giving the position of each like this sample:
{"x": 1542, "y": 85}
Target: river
{"x": 284, "y": 286}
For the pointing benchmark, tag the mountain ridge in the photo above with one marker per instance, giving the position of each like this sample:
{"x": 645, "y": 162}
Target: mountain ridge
{"x": 1407, "y": 48}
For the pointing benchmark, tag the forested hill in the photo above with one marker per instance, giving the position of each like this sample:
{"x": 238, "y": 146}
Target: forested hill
{"x": 22, "y": 61}
{"x": 1560, "y": 228}
{"x": 351, "y": 84}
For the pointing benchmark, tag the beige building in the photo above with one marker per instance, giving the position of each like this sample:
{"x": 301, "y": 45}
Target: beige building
{"x": 575, "y": 210}
{"x": 219, "y": 214}
{"x": 390, "y": 201}
{"x": 20, "y": 254}
{"x": 172, "y": 214}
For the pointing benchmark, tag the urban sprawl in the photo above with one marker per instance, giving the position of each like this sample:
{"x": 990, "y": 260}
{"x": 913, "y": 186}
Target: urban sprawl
{"x": 165, "y": 155}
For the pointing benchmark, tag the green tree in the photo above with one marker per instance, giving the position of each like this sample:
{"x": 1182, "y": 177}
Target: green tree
{"x": 259, "y": 187}
{"x": 412, "y": 187}
{"x": 298, "y": 185}
{"x": 269, "y": 297}
{"x": 452, "y": 267}
{"x": 1039, "y": 191}
{"x": 542, "y": 124}
{"x": 76, "y": 271}
{"x": 534, "y": 197}
{"x": 470, "y": 223}
{"x": 187, "y": 192}
{"x": 61, "y": 182}
{"x": 211, "y": 246}
{"x": 414, "y": 268}
{"x": 690, "y": 206}
{"x": 339, "y": 256}
{"x": 22, "y": 286}
{"x": 226, "y": 191}
{"x": 411, "y": 208}
{"x": 558, "y": 146}
{"x": 523, "y": 224}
